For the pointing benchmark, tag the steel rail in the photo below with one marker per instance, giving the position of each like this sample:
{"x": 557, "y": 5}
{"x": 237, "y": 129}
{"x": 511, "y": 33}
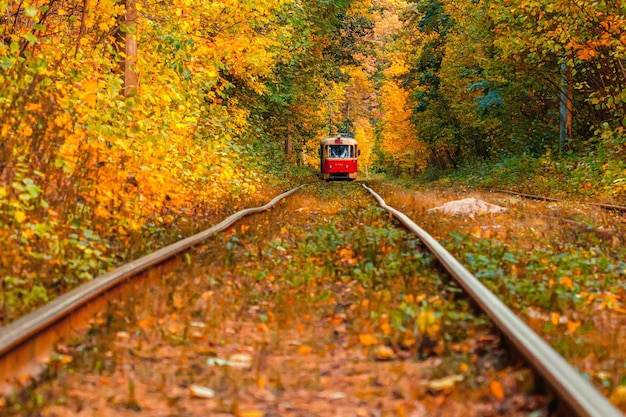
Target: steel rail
{"x": 579, "y": 396}
{"x": 611, "y": 207}
{"x": 19, "y": 332}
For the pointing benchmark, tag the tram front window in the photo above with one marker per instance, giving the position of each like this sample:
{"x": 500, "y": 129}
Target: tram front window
{"x": 339, "y": 151}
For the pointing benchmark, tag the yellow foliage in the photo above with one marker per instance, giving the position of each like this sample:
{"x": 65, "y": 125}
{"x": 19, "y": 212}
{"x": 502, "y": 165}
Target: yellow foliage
{"x": 398, "y": 136}
{"x": 19, "y": 216}
{"x": 427, "y": 323}
{"x": 114, "y": 166}
{"x": 364, "y": 135}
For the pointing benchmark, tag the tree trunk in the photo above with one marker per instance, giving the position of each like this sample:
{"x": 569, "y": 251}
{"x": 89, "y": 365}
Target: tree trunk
{"x": 131, "y": 77}
{"x": 83, "y": 26}
{"x": 288, "y": 146}
{"x": 565, "y": 132}
{"x": 570, "y": 101}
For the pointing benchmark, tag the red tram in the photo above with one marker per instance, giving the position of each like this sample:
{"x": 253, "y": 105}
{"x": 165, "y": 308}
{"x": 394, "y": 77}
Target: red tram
{"x": 338, "y": 158}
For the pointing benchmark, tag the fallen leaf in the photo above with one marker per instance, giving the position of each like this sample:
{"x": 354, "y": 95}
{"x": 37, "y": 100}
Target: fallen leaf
{"x": 122, "y": 335}
{"x": 338, "y": 395}
{"x": 443, "y": 383}
{"x": 572, "y": 326}
{"x": 174, "y": 328}
{"x": 64, "y": 359}
{"x": 199, "y": 391}
{"x": 304, "y": 350}
{"x": 241, "y": 358}
{"x": 250, "y": 413}
{"x": 367, "y": 339}
{"x": 554, "y": 318}
{"x": 618, "y": 397}
{"x": 145, "y": 323}
{"x": 237, "y": 360}
{"x": 496, "y": 389}
{"x": 386, "y": 328}
{"x": 384, "y": 353}
{"x": 361, "y": 412}
{"x": 336, "y": 320}
{"x": 408, "y": 340}
{"x": 178, "y": 300}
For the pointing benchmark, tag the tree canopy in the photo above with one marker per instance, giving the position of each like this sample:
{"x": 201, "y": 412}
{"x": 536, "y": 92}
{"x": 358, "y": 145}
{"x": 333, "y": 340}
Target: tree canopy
{"x": 90, "y": 161}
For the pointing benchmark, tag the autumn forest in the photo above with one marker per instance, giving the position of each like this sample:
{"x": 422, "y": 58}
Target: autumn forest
{"x": 128, "y": 125}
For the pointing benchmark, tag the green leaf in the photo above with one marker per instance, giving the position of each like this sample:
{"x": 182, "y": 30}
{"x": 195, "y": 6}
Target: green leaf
{"x": 31, "y": 187}
{"x": 89, "y": 234}
{"x": 6, "y": 62}
{"x": 30, "y": 38}
{"x": 30, "y": 11}
{"x": 510, "y": 258}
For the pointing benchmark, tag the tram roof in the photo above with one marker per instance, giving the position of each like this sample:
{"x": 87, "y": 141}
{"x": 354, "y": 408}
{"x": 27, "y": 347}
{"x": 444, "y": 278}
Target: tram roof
{"x": 345, "y": 140}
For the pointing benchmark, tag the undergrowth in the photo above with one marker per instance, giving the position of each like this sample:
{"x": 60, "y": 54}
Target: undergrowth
{"x": 598, "y": 176}
{"x": 595, "y": 171}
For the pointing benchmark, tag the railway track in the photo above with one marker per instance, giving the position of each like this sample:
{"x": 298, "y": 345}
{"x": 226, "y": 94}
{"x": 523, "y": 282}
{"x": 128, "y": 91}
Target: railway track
{"x": 609, "y": 207}
{"x": 27, "y": 344}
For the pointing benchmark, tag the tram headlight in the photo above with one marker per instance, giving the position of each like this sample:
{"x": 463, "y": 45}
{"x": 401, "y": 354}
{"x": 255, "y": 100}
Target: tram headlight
{"x": 330, "y": 167}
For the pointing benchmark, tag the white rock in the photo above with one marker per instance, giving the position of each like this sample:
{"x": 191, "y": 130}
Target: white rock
{"x": 468, "y": 207}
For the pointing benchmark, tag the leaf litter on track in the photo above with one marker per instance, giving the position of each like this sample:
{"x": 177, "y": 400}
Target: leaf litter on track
{"x": 321, "y": 306}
